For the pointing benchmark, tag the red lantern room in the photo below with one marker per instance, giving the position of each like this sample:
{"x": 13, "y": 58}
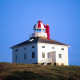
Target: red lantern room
{"x": 39, "y": 27}
{"x": 40, "y": 30}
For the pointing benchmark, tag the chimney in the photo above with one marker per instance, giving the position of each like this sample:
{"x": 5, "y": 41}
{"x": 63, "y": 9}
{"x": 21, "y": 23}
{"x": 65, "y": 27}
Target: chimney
{"x": 47, "y": 31}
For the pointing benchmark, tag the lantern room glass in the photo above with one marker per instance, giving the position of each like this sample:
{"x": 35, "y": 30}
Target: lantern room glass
{"x": 39, "y": 30}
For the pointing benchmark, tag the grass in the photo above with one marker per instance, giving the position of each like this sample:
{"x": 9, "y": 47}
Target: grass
{"x": 11, "y": 71}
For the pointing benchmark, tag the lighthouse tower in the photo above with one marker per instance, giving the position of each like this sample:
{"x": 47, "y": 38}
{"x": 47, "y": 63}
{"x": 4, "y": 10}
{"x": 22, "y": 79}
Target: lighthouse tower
{"x": 40, "y": 30}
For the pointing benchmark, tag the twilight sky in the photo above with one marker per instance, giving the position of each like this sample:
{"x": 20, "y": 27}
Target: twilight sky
{"x": 17, "y": 18}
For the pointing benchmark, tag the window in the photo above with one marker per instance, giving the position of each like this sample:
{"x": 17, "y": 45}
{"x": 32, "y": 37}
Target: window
{"x": 33, "y": 46}
{"x": 60, "y": 55}
{"x": 43, "y": 46}
{"x": 39, "y": 30}
{"x": 62, "y": 48}
{"x": 43, "y": 54}
{"x": 24, "y": 56}
{"x": 33, "y": 54}
{"x": 16, "y": 57}
{"x": 25, "y": 48}
{"x": 34, "y": 30}
{"x": 52, "y": 47}
{"x": 43, "y": 30}
{"x": 16, "y": 50}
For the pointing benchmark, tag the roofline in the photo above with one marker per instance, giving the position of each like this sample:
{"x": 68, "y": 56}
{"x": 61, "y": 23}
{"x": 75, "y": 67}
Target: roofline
{"x": 39, "y": 42}
{"x": 20, "y": 46}
{"x": 59, "y": 43}
{"x": 55, "y": 44}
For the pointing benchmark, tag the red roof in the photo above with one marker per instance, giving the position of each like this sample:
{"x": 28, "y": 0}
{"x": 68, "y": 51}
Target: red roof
{"x": 39, "y": 25}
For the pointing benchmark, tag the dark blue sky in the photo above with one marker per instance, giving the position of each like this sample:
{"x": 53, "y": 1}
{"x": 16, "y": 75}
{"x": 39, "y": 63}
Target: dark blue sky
{"x": 17, "y": 18}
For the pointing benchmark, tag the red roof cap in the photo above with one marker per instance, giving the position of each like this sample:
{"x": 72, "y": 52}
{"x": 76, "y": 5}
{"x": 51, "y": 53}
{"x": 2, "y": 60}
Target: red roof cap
{"x": 39, "y": 25}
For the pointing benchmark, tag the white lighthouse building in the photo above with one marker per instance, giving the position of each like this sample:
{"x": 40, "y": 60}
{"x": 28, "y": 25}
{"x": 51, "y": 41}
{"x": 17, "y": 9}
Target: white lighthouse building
{"x": 40, "y": 49}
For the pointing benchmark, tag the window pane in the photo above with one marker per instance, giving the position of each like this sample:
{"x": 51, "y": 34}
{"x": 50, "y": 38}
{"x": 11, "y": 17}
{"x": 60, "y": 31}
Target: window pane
{"x": 24, "y": 56}
{"x": 43, "y": 54}
{"x": 39, "y": 30}
{"x": 16, "y": 50}
{"x": 60, "y": 56}
{"x": 16, "y": 57}
{"x": 52, "y": 47}
{"x": 33, "y": 46}
{"x": 33, "y": 54}
{"x": 35, "y": 30}
{"x": 62, "y": 48}
{"x": 24, "y": 48}
{"x": 44, "y": 30}
{"x": 43, "y": 46}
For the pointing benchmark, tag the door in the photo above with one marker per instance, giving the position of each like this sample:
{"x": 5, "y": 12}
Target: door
{"x": 52, "y": 56}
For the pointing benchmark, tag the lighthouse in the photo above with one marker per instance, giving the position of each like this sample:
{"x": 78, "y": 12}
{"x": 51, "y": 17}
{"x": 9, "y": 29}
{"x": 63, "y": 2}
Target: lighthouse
{"x": 40, "y": 30}
{"x": 40, "y": 48}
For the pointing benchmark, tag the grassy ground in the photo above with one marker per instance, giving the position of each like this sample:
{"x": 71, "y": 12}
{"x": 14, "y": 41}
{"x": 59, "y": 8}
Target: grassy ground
{"x": 11, "y": 71}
